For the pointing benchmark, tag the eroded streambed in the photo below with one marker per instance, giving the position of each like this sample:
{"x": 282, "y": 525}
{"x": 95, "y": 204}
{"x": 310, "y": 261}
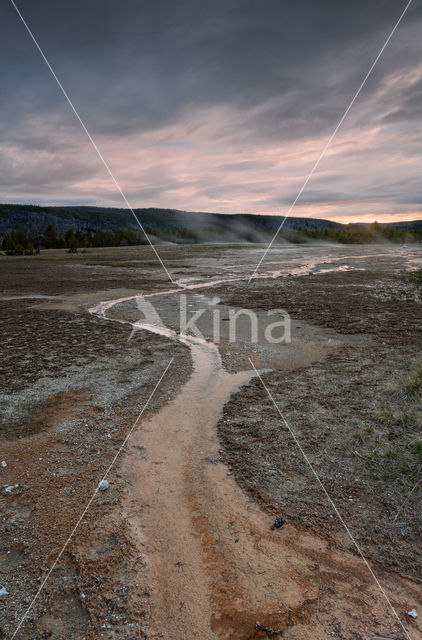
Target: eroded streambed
{"x": 215, "y": 567}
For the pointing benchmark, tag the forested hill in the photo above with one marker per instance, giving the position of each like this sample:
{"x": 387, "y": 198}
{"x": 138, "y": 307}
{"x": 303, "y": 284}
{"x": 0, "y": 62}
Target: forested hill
{"x": 166, "y": 224}
{"x": 170, "y": 225}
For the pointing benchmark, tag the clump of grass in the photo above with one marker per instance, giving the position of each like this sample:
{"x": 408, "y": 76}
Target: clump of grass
{"x": 409, "y": 421}
{"x": 385, "y": 414}
{"x": 363, "y": 434}
{"x": 336, "y": 368}
{"x": 417, "y": 450}
{"x": 392, "y": 453}
{"x": 394, "y": 445}
{"x": 410, "y": 385}
{"x": 401, "y": 460}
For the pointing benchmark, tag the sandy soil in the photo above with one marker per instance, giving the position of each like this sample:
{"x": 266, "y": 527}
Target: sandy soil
{"x": 181, "y": 546}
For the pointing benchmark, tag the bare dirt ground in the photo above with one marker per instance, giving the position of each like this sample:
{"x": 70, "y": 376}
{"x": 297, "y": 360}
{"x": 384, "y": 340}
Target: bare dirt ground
{"x": 180, "y": 545}
{"x": 71, "y": 388}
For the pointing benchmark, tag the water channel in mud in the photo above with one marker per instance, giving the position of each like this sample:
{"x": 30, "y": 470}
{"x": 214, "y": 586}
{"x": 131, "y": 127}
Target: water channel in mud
{"x": 216, "y": 567}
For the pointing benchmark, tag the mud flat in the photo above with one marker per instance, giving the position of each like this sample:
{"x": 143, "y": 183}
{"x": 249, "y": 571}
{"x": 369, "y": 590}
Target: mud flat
{"x": 203, "y": 540}
{"x": 181, "y": 544}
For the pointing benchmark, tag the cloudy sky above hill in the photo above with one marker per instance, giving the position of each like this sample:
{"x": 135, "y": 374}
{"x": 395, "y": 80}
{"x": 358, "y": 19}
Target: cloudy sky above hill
{"x": 216, "y": 106}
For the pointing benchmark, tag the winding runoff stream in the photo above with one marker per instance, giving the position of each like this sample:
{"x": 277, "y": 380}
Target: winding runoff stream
{"x": 215, "y": 566}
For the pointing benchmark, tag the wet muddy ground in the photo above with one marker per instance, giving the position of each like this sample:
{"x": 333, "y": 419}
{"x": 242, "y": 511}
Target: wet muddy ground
{"x": 180, "y": 545}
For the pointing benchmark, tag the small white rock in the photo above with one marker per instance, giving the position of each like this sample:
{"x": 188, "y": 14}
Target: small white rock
{"x": 4, "y": 463}
{"x": 3, "y": 591}
{"x": 103, "y": 485}
{"x": 412, "y": 613}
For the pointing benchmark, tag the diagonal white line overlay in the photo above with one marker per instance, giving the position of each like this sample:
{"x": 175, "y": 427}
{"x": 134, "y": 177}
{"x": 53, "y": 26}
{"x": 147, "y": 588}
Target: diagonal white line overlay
{"x": 100, "y": 155}
{"x": 330, "y": 139}
{"x": 90, "y": 501}
{"x": 330, "y": 500}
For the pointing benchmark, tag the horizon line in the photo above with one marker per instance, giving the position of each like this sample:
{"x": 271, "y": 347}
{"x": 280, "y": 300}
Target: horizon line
{"x": 344, "y": 220}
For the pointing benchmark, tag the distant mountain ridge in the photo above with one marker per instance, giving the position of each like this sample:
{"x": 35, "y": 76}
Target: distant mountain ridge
{"x": 165, "y": 225}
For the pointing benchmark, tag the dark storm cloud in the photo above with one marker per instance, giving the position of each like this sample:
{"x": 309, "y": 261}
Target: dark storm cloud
{"x": 131, "y": 65}
{"x": 277, "y": 71}
{"x": 410, "y": 107}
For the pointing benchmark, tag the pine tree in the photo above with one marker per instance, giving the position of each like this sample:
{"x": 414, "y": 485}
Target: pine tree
{"x": 50, "y": 237}
{"x": 72, "y": 244}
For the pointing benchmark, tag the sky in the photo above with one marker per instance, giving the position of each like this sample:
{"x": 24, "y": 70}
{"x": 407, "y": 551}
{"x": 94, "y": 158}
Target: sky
{"x": 219, "y": 106}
